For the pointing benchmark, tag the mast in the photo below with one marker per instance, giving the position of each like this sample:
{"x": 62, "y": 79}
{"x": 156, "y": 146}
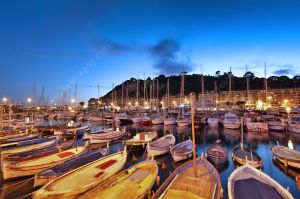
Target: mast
{"x": 168, "y": 92}
{"x": 182, "y": 85}
{"x": 157, "y": 93}
{"x": 137, "y": 91}
{"x": 193, "y": 134}
{"x": 112, "y": 93}
{"x": 230, "y": 74}
{"x": 150, "y": 101}
{"x": 247, "y": 82}
{"x": 202, "y": 89}
{"x": 33, "y": 93}
{"x": 266, "y": 83}
{"x": 122, "y": 103}
{"x": 144, "y": 90}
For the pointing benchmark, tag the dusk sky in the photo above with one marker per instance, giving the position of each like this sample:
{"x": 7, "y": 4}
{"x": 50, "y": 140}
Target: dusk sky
{"x": 59, "y": 44}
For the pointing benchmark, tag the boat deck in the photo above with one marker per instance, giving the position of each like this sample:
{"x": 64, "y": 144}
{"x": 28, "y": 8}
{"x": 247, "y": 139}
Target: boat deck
{"x": 202, "y": 186}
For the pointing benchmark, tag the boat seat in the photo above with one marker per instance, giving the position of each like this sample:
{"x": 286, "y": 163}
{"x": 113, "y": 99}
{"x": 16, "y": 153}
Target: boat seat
{"x": 106, "y": 164}
{"x": 65, "y": 154}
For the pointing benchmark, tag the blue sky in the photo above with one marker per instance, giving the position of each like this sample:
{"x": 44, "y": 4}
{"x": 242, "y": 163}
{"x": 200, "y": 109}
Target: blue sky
{"x": 60, "y": 43}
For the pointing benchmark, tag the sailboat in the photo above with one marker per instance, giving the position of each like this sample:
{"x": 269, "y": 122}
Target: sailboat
{"x": 194, "y": 179}
{"x": 242, "y": 154}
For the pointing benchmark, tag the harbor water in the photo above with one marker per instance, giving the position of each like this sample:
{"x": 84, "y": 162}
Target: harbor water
{"x": 205, "y": 137}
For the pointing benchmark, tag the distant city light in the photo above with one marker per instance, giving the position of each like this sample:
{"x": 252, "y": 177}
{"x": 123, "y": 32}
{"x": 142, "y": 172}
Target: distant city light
{"x": 72, "y": 101}
{"x": 4, "y": 99}
{"x": 29, "y": 100}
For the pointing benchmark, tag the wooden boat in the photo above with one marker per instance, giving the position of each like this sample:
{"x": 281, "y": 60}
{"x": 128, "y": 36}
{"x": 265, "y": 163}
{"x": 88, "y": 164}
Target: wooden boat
{"x": 182, "y": 151}
{"x": 287, "y": 156}
{"x": 134, "y": 182}
{"x": 87, "y": 135}
{"x": 160, "y": 146}
{"x": 183, "y": 184}
{"x": 247, "y": 182}
{"x": 46, "y": 176}
{"x": 84, "y": 178}
{"x": 22, "y": 138}
{"x": 141, "y": 139}
{"x": 217, "y": 154}
{"x": 244, "y": 155}
{"x": 32, "y": 154}
{"x": 31, "y": 167}
{"x": 7, "y": 136}
{"x": 34, "y": 146}
{"x": 106, "y": 137}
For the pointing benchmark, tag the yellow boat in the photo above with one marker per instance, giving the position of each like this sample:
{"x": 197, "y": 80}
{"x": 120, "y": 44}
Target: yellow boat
{"x": 29, "y": 147}
{"x": 134, "y": 182}
{"x": 31, "y": 167}
{"x": 86, "y": 177}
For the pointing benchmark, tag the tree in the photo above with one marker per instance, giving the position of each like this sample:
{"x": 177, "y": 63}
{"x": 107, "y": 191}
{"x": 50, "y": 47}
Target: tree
{"x": 81, "y": 104}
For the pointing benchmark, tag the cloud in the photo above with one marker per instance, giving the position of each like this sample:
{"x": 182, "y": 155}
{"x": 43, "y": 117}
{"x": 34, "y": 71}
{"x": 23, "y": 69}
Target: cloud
{"x": 170, "y": 57}
{"x": 284, "y": 72}
{"x": 114, "y": 47}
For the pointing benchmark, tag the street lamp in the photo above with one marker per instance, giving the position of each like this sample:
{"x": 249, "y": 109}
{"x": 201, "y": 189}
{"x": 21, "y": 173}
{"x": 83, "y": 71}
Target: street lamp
{"x": 72, "y": 101}
{"x": 4, "y": 99}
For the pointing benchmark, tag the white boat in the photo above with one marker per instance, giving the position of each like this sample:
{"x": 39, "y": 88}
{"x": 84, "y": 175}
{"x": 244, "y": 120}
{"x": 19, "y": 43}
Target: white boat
{"x": 96, "y": 119}
{"x": 213, "y": 121}
{"x": 287, "y": 156}
{"x": 254, "y": 123}
{"x": 107, "y": 137}
{"x": 274, "y": 123}
{"x": 25, "y": 148}
{"x": 31, "y": 167}
{"x": 248, "y": 182}
{"x": 134, "y": 182}
{"x": 137, "y": 119}
{"x": 182, "y": 151}
{"x": 170, "y": 121}
{"x": 87, "y": 135}
{"x": 160, "y": 146}
{"x": 157, "y": 120}
{"x": 183, "y": 122}
{"x": 293, "y": 124}
{"x": 84, "y": 178}
{"x": 231, "y": 121}
{"x": 142, "y": 139}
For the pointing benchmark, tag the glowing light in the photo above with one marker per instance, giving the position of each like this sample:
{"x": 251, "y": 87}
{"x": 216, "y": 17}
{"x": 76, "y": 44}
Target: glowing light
{"x": 129, "y": 103}
{"x": 72, "y": 101}
{"x": 4, "y": 99}
{"x": 70, "y": 108}
{"x": 259, "y": 104}
{"x": 136, "y": 103}
{"x": 290, "y": 144}
{"x": 38, "y": 108}
{"x": 288, "y": 110}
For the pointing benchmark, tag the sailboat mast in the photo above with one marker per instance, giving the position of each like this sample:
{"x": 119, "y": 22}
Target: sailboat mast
{"x": 230, "y": 76}
{"x": 202, "y": 89}
{"x": 137, "y": 91}
{"x": 247, "y": 82}
{"x": 157, "y": 93}
{"x": 168, "y": 92}
{"x": 266, "y": 82}
{"x": 193, "y": 134}
{"x": 122, "y": 103}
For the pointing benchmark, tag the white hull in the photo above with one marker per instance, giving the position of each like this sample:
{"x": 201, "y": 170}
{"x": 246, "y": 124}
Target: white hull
{"x": 232, "y": 125}
{"x": 170, "y": 121}
{"x": 295, "y": 129}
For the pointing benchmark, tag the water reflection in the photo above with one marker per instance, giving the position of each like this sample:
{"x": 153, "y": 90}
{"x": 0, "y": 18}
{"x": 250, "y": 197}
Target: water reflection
{"x": 205, "y": 137}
